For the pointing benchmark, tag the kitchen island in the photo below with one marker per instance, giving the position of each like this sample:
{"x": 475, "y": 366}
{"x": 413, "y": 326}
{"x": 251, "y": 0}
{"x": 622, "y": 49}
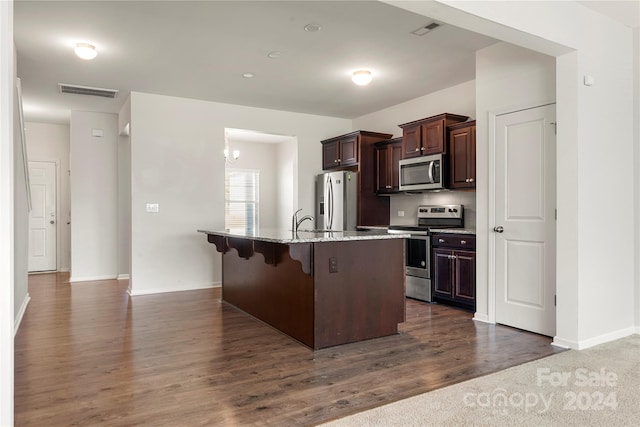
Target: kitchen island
{"x": 320, "y": 288}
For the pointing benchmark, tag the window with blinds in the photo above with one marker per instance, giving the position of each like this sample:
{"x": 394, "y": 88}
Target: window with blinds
{"x": 241, "y": 190}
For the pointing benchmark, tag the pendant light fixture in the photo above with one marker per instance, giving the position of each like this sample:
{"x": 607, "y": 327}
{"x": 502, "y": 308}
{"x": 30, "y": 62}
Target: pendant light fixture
{"x": 235, "y": 153}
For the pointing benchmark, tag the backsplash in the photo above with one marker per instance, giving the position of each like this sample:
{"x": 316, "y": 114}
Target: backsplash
{"x": 409, "y": 204}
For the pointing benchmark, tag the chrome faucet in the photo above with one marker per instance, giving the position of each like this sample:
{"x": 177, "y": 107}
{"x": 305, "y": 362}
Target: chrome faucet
{"x": 295, "y": 222}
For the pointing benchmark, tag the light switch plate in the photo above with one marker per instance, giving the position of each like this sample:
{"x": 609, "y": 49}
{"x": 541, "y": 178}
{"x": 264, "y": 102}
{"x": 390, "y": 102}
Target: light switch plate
{"x": 153, "y": 207}
{"x": 400, "y": 213}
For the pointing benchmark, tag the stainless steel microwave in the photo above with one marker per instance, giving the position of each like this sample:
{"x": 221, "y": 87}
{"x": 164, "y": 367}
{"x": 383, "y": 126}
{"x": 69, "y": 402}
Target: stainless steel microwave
{"x": 422, "y": 173}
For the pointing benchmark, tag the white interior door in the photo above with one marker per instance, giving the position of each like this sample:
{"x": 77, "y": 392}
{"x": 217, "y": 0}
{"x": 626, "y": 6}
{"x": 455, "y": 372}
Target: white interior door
{"x": 525, "y": 227}
{"x": 43, "y": 217}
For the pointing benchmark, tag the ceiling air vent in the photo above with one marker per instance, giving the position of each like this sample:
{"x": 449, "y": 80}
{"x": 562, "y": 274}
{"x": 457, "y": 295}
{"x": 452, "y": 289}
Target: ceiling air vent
{"x": 84, "y": 90}
{"x": 424, "y": 30}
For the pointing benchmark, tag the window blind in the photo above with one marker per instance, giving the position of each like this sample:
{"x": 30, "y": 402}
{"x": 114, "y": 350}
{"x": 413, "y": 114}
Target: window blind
{"x": 241, "y": 195}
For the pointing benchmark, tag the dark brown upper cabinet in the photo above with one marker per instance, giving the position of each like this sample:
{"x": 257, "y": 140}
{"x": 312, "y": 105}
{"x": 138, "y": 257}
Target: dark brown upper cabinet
{"x": 387, "y": 160}
{"x": 356, "y": 152}
{"x": 427, "y": 136}
{"x": 462, "y": 155}
{"x": 340, "y": 152}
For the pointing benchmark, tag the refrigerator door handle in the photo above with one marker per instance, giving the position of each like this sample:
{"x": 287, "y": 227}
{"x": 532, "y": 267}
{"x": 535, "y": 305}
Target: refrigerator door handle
{"x": 330, "y": 192}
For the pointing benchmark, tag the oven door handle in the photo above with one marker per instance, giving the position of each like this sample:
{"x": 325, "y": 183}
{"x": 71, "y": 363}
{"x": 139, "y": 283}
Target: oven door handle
{"x": 419, "y": 237}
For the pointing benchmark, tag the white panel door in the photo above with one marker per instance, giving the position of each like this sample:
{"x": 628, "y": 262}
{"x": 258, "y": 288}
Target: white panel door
{"x": 525, "y": 227}
{"x": 42, "y": 219}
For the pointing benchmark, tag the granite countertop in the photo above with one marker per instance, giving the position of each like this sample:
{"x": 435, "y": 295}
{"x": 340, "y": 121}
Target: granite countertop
{"x": 453, "y": 230}
{"x": 309, "y": 236}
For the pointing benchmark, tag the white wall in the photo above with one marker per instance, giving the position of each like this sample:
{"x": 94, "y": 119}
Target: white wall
{"x": 94, "y": 196}
{"x": 508, "y": 78}
{"x": 50, "y": 143}
{"x": 124, "y": 190}
{"x": 261, "y": 157}
{"x": 21, "y": 224}
{"x": 287, "y": 184}
{"x": 459, "y": 99}
{"x": 595, "y": 132}
{"x": 636, "y": 180}
{"x": 124, "y": 206}
{"x": 604, "y": 114}
{"x": 7, "y": 79}
{"x": 176, "y": 161}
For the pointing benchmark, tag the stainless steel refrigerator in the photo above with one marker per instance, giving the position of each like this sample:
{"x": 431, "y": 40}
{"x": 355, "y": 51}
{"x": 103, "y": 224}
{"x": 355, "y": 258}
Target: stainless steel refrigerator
{"x": 337, "y": 201}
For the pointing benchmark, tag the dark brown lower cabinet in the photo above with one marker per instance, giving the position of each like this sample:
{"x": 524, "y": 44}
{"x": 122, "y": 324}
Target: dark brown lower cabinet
{"x": 454, "y": 277}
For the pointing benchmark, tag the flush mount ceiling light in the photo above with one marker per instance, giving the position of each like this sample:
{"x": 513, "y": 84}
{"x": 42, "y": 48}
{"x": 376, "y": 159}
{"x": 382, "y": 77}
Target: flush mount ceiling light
{"x": 362, "y": 77}
{"x": 86, "y": 51}
{"x": 248, "y": 75}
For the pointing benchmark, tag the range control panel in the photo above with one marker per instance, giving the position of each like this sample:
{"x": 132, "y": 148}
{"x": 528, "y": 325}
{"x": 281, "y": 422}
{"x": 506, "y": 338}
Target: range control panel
{"x": 440, "y": 211}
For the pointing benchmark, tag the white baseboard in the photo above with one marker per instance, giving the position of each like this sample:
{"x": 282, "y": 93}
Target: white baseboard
{"x": 591, "y": 342}
{"x": 122, "y": 277}
{"x": 134, "y": 292}
{"x": 481, "y": 318}
{"x": 562, "y": 343}
{"x": 64, "y": 270}
{"x": 637, "y": 330}
{"x": 91, "y": 278}
{"x": 23, "y": 308}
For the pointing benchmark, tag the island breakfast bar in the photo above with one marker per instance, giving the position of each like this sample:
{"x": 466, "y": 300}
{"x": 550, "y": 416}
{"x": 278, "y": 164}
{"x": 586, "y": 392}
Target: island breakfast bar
{"x": 320, "y": 288}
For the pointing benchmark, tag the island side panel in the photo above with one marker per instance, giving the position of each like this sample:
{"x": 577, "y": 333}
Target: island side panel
{"x": 280, "y": 295}
{"x": 365, "y": 298}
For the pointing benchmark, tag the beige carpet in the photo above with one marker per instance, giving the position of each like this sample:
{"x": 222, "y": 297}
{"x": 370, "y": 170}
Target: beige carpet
{"x": 599, "y": 386}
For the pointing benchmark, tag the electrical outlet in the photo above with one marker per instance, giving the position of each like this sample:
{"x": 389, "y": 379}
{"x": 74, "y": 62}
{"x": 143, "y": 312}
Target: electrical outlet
{"x": 333, "y": 265}
{"x": 153, "y": 207}
{"x": 400, "y": 213}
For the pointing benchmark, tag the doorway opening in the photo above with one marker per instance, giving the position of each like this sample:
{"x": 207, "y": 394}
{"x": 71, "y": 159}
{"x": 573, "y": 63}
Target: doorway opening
{"x": 262, "y": 177}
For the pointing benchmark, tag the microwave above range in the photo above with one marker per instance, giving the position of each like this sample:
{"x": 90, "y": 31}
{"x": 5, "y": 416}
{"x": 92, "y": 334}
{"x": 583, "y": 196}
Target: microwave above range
{"x": 422, "y": 173}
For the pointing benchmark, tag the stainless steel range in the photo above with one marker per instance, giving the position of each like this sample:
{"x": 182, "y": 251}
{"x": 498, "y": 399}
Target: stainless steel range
{"x": 418, "y": 252}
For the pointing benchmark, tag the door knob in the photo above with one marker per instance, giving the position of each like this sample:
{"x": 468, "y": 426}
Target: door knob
{"x": 498, "y": 229}
{"x": 52, "y": 222}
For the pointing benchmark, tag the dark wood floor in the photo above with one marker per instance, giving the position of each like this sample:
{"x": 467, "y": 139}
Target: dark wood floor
{"x": 88, "y": 354}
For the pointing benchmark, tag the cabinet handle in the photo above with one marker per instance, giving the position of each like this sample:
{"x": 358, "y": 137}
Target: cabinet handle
{"x": 339, "y": 160}
{"x": 335, "y": 161}
{"x": 388, "y": 186}
{"x": 472, "y": 180}
{"x": 463, "y": 242}
{"x": 440, "y": 240}
{"x": 466, "y": 180}
{"x": 418, "y": 149}
{"x": 421, "y": 148}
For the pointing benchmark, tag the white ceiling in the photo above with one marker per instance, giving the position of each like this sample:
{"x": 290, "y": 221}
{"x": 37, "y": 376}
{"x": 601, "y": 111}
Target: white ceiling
{"x": 625, "y": 11}
{"x": 201, "y": 49}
